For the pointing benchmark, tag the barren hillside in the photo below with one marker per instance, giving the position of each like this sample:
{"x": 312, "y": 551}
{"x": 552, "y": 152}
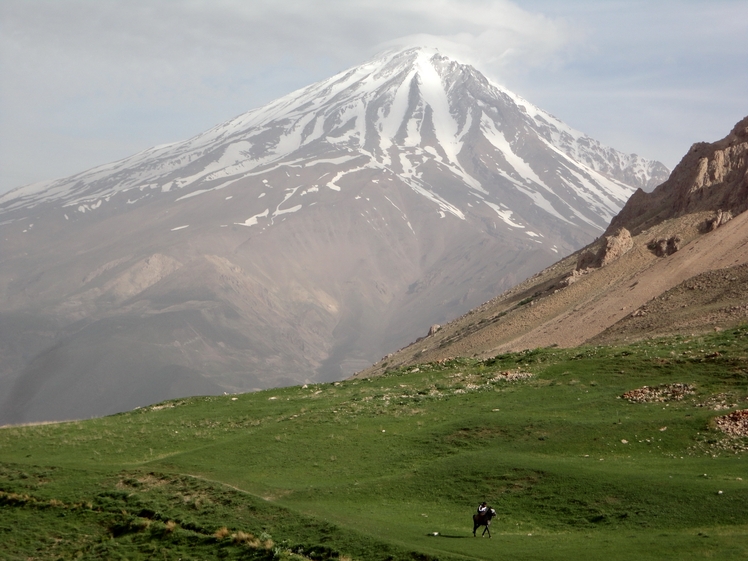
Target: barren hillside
{"x": 674, "y": 260}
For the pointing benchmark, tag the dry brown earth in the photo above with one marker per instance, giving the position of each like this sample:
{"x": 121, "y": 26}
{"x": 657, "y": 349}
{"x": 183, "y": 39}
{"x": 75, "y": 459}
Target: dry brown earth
{"x": 712, "y": 300}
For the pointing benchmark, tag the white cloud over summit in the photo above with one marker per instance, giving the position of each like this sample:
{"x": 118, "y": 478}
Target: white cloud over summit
{"x": 85, "y": 82}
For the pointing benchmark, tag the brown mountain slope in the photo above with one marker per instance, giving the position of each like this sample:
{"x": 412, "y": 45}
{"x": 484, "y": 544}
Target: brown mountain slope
{"x": 684, "y": 269}
{"x": 711, "y": 300}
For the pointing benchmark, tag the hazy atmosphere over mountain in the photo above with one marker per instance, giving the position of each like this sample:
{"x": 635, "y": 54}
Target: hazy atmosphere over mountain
{"x": 297, "y": 242}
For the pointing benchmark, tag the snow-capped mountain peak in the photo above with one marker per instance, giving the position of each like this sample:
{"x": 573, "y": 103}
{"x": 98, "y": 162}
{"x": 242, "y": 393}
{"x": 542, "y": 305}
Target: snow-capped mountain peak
{"x": 297, "y": 242}
{"x": 405, "y": 112}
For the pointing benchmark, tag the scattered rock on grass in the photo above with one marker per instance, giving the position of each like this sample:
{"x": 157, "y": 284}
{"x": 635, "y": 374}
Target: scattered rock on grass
{"x": 719, "y": 402}
{"x": 510, "y": 376}
{"x": 661, "y": 393}
{"x": 734, "y": 424}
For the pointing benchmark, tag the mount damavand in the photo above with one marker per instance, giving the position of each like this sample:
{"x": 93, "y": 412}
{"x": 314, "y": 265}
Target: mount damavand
{"x": 298, "y": 242}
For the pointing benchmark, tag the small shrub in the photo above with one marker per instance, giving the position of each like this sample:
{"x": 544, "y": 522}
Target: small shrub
{"x": 246, "y": 538}
{"x": 221, "y": 533}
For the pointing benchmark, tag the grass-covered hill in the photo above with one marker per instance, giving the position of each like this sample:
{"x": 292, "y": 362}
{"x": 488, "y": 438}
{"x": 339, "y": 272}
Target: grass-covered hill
{"x": 392, "y": 468}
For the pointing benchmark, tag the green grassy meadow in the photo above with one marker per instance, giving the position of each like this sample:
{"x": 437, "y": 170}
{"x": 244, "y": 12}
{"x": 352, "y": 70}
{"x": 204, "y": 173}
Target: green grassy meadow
{"x": 373, "y": 469}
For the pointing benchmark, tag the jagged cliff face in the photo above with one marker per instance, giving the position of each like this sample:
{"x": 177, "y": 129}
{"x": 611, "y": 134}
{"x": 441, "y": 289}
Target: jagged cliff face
{"x": 297, "y": 242}
{"x": 710, "y": 177}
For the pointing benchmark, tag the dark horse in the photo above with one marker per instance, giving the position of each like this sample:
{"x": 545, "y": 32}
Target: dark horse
{"x": 483, "y": 520}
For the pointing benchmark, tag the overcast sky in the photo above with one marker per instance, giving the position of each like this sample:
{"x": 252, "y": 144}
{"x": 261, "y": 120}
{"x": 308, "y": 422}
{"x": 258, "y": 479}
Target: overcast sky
{"x": 86, "y": 82}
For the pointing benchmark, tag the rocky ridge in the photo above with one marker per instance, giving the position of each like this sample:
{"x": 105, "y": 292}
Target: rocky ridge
{"x": 711, "y": 177}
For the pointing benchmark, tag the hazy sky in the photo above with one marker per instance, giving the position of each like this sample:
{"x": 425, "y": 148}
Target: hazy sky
{"x": 85, "y": 82}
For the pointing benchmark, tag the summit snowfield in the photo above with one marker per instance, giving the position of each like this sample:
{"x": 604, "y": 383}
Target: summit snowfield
{"x": 298, "y": 242}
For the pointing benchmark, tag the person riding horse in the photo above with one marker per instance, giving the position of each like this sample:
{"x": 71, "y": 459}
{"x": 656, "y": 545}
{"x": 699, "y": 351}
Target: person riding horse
{"x": 483, "y": 518}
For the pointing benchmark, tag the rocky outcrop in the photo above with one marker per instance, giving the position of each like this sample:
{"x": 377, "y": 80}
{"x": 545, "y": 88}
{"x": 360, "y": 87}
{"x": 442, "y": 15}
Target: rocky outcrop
{"x": 710, "y": 177}
{"x": 575, "y": 275}
{"x": 612, "y": 248}
{"x": 615, "y": 246}
{"x": 609, "y": 249}
{"x": 720, "y": 219}
{"x": 663, "y": 247}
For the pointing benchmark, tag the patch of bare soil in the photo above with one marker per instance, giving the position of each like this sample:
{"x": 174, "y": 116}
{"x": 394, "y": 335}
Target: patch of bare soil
{"x": 143, "y": 482}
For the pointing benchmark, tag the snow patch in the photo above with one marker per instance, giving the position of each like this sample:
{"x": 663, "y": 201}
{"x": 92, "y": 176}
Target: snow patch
{"x": 505, "y": 215}
{"x": 287, "y": 211}
{"x": 252, "y": 220}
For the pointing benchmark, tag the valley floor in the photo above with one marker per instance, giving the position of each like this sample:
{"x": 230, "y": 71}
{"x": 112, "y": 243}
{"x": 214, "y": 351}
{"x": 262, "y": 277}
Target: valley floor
{"x": 393, "y": 467}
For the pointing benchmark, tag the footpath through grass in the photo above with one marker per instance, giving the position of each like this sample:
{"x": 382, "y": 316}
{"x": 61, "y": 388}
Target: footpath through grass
{"x": 392, "y": 468}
